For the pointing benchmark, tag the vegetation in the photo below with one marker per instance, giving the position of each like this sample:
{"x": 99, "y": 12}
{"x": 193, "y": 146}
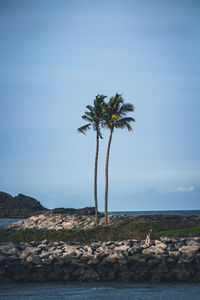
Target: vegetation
{"x": 115, "y": 118}
{"x": 123, "y": 230}
{"x": 17, "y": 213}
{"x": 20, "y": 206}
{"x": 184, "y": 232}
{"x": 94, "y": 116}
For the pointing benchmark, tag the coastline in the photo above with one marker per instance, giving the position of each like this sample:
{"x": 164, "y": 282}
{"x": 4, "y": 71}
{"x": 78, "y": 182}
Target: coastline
{"x": 164, "y": 260}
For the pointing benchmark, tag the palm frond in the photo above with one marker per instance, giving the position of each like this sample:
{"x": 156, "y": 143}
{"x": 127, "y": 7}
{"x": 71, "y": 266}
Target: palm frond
{"x": 105, "y": 125}
{"x": 128, "y": 126}
{"x": 127, "y": 119}
{"x": 84, "y": 128}
{"x": 118, "y": 101}
{"x": 87, "y": 118}
{"x": 124, "y": 123}
{"x": 126, "y": 107}
{"x": 99, "y": 99}
{"x": 90, "y": 108}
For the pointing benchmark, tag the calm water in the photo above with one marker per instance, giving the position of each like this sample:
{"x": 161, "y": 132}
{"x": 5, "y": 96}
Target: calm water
{"x": 6, "y": 222}
{"x": 98, "y": 290}
{"x": 157, "y": 212}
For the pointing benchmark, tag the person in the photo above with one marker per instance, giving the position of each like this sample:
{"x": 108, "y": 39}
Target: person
{"x": 148, "y": 237}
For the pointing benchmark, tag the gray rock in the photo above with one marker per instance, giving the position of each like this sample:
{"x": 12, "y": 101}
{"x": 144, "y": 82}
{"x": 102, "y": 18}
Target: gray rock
{"x": 101, "y": 261}
{"x": 160, "y": 244}
{"x": 34, "y": 259}
{"x": 6, "y": 247}
{"x": 154, "y": 250}
{"x": 2, "y": 258}
{"x": 29, "y": 250}
{"x": 191, "y": 248}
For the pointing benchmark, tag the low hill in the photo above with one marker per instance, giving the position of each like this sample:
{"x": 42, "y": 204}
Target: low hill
{"x": 20, "y": 206}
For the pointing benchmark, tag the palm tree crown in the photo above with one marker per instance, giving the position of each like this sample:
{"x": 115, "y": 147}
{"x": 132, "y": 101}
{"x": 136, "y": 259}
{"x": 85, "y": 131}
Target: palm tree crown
{"x": 94, "y": 115}
{"x": 114, "y": 113}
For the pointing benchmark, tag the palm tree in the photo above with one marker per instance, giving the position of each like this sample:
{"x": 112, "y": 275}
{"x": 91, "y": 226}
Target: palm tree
{"x": 115, "y": 117}
{"x": 94, "y": 116}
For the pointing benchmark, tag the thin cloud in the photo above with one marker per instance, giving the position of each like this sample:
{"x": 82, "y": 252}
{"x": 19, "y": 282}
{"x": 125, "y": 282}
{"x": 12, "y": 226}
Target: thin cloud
{"x": 184, "y": 189}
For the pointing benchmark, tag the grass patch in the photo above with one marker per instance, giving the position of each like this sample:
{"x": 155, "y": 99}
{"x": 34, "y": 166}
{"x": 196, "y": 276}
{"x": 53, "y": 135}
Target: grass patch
{"x": 119, "y": 231}
{"x": 185, "y": 232}
{"x": 123, "y": 230}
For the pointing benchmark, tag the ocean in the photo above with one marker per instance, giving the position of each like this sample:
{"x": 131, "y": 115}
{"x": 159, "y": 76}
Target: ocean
{"x": 103, "y": 290}
{"x": 95, "y": 291}
{"x": 157, "y": 212}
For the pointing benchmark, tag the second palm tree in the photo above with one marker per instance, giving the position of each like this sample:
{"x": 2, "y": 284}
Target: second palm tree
{"x": 94, "y": 116}
{"x": 114, "y": 113}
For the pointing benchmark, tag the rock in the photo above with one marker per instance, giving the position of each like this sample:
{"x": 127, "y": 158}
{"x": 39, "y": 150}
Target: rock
{"x": 187, "y": 249}
{"x": 2, "y": 258}
{"x": 186, "y": 259}
{"x": 154, "y": 249}
{"x": 86, "y": 274}
{"x": 12, "y": 251}
{"x": 51, "y": 221}
{"x": 6, "y": 247}
{"x": 179, "y": 273}
{"x": 112, "y": 258}
{"x": 34, "y": 259}
{"x": 29, "y": 250}
{"x": 153, "y": 261}
{"x": 13, "y": 258}
{"x": 107, "y": 261}
{"x": 44, "y": 254}
{"x": 174, "y": 253}
{"x": 160, "y": 244}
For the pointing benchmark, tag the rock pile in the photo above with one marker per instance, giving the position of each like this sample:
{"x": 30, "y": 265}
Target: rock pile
{"x": 167, "y": 259}
{"x": 60, "y": 221}
{"x": 51, "y": 221}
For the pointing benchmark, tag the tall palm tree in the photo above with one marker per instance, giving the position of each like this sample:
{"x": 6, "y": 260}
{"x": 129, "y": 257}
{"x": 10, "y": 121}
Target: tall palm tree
{"x": 94, "y": 116}
{"x": 115, "y": 117}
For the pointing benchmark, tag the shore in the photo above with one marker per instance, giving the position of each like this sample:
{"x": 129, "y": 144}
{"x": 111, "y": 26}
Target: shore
{"x": 60, "y": 247}
{"x": 51, "y": 221}
{"x": 167, "y": 259}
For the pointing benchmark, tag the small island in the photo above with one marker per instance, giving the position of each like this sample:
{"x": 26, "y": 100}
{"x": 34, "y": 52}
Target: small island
{"x": 66, "y": 245}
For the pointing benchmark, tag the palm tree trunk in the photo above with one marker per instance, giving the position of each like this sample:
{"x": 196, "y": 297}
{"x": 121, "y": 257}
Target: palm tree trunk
{"x": 95, "y": 179}
{"x": 106, "y": 178}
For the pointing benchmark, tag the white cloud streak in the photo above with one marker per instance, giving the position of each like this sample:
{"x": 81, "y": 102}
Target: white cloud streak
{"x": 184, "y": 189}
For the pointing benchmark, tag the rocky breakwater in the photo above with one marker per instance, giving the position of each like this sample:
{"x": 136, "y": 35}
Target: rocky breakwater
{"x": 50, "y": 221}
{"x": 167, "y": 259}
{"x": 56, "y": 221}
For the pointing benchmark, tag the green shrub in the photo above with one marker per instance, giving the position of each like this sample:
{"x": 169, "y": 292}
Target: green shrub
{"x": 123, "y": 230}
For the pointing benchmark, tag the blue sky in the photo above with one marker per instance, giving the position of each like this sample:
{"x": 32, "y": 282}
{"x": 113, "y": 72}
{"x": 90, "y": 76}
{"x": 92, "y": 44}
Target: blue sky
{"x": 56, "y": 56}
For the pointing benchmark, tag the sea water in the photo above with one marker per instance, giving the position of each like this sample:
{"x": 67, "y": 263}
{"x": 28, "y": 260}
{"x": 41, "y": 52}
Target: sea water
{"x": 6, "y": 222}
{"x": 99, "y": 290}
{"x": 103, "y": 290}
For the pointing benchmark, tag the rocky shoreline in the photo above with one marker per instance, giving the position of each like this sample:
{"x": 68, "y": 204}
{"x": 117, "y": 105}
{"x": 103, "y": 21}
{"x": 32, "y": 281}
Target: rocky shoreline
{"x": 62, "y": 221}
{"x": 51, "y": 221}
{"x": 167, "y": 259}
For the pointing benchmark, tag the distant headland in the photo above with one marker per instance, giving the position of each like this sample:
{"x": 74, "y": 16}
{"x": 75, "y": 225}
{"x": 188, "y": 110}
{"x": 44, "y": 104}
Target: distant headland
{"x": 22, "y": 206}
